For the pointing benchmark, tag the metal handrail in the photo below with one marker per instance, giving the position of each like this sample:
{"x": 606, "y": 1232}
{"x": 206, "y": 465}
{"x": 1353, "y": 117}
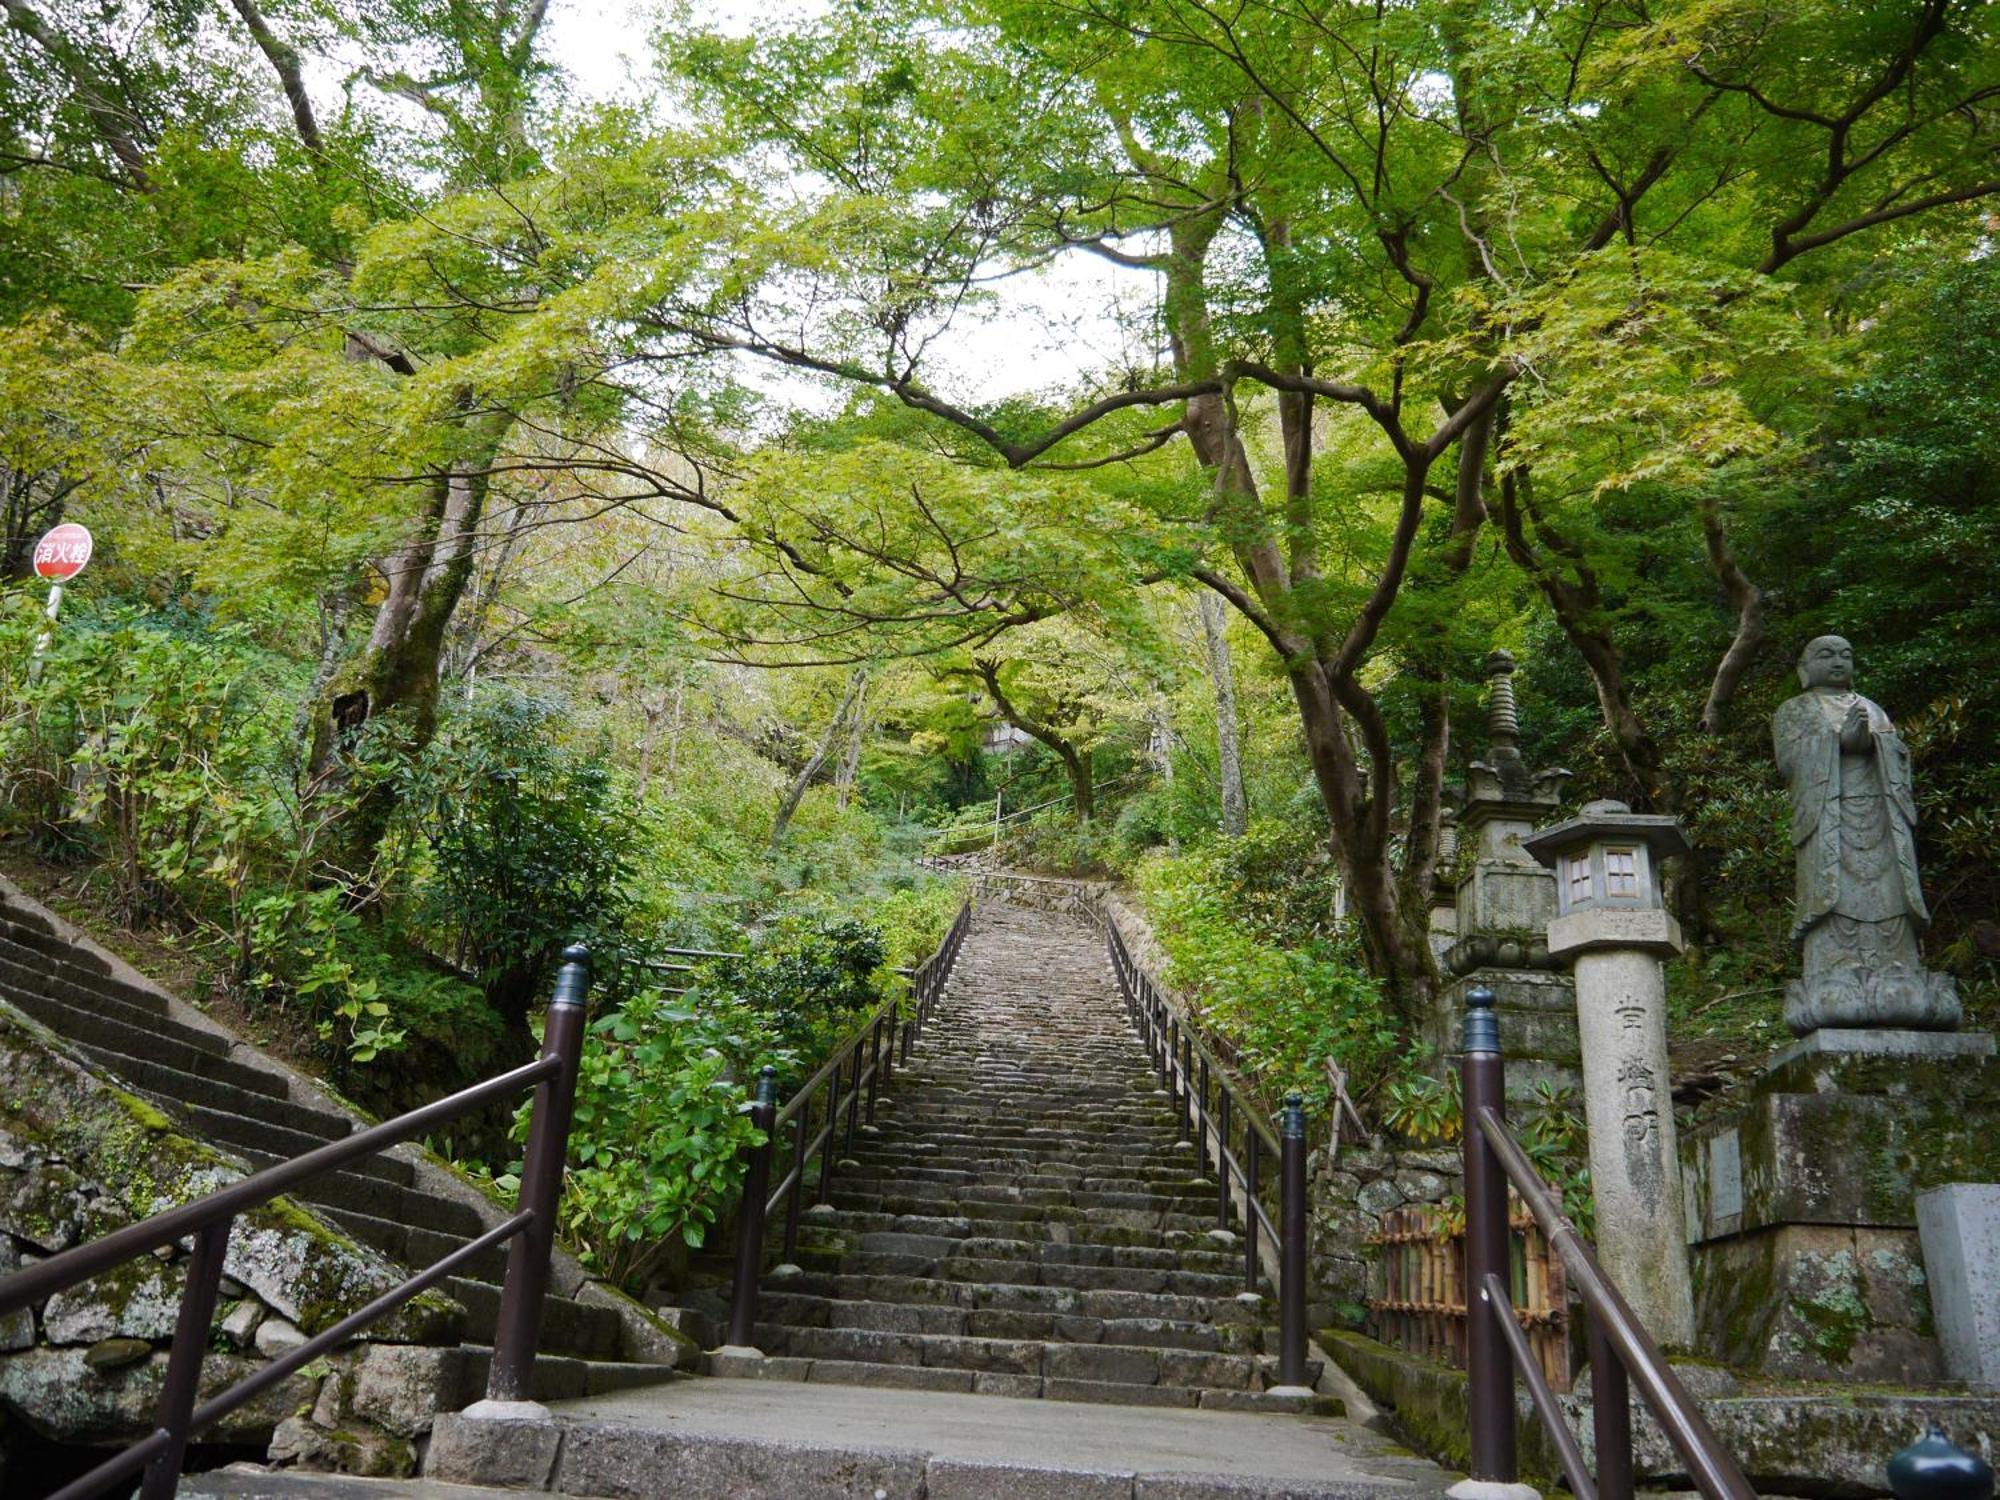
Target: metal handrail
{"x": 1713, "y": 1469}
{"x": 1620, "y": 1346}
{"x": 61, "y": 1272}
{"x": 210, "y": 1218}
{"x": 1171, "y": 1040}
{"x": 885, "y": 1050}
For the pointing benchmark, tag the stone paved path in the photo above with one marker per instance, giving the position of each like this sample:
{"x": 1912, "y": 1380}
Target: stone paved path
{"x": 1027, "y": 1221}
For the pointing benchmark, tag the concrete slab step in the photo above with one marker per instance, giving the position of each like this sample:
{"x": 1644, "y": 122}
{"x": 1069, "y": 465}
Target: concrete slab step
{"x": 823, "y": 1439}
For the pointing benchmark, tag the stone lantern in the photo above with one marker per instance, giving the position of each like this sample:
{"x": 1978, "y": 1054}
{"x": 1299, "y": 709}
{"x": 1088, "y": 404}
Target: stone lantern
{"x": 1612, "y": 924}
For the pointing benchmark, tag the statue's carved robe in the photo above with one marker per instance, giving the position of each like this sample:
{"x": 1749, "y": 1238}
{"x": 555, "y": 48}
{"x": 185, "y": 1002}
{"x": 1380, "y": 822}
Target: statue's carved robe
{"x": 1854, "y": 815}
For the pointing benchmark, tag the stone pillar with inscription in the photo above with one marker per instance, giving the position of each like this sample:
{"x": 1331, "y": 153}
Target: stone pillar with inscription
{"x": 1611, "y": 922}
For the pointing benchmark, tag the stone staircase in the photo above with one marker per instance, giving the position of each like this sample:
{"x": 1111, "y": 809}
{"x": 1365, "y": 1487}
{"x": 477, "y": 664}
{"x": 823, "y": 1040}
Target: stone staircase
{"x": 223, "y": 1092}
{"x": 1025, "y": 1219}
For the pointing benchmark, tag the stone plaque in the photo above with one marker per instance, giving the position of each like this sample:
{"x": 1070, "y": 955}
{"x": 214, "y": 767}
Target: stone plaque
{"x": 1725, "y": 1177}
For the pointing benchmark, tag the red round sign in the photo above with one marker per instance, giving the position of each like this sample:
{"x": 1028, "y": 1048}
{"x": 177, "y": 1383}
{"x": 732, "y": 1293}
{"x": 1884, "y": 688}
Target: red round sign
{"x": 62, "y": 553}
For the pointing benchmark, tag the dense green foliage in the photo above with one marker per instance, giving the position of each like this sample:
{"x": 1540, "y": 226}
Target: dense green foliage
{"x": 1247, "y": 926}
{"x": 523, "y": 517}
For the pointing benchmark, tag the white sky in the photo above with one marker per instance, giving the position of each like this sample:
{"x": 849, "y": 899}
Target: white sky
{"x": 1051, "y": 327}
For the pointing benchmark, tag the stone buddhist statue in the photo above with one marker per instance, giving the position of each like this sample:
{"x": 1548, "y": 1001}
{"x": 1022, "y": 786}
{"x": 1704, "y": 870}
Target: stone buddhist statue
{"x": 1854, "y": 813}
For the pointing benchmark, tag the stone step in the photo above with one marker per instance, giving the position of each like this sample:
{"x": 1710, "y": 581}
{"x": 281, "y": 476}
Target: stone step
{"x": 169, "y": 1083}
{"x": 379, "y": 1196}
{"x": 1169, "y": 1176}
{"x": 1019, "y": 1187}
{"x": 240, "y": 1133}
{"x": 1086, "y": 1302}
{"x": 1241, "y": 1336}
{"x": 1025, "y": 1367}
{"x": 418, "y": 1248}
{"x": 220, "y": 1067}
{"x": 935, "y": 1247}
{"x": 566, "y": 1377}
{"x": 90, "y": 1029}
{"x": 817, "y": 1438}
{"x": 48, "y": 999}
{"x": 1001, "y": 1201}
{"x": 567, "y": 1327}
{"x": 41, "y": 950}
{"x": 971, "y": 1271}
{"x": 1073, "y": 1226}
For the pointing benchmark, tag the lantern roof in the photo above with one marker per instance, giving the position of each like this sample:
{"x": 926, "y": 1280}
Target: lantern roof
{"x": 1604, "y": 821}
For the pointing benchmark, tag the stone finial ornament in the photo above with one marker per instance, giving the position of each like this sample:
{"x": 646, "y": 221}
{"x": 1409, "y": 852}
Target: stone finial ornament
{"x": 1859, "y": 907}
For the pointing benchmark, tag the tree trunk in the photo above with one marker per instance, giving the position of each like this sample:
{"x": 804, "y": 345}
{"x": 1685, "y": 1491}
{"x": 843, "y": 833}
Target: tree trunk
{"x": 395, "y": 681}
{"x": 809, "y": 772}
{"x": 1579, "y": 609}
{"x": 1228, "y": 746}
{"x": 1358, "y": 803}
{"x": 1748, "y": 602}
{"x": 1076, "y": 763}
{"x": 850, "y": 763}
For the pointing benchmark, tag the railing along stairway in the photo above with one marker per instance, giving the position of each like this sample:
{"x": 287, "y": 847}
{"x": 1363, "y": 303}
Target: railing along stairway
{"x": 529, "y": 1234}
{"x": 1622, "y": 1353}
{"x": 1211, "y": 1105}
{"x": 836, "y": 1099}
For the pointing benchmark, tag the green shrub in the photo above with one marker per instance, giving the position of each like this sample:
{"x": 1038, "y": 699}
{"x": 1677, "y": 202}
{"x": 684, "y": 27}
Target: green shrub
{"x": 913, "y": 921}
{"x": 526, "y": 846}
{"x": 1247, "y": 928}
{"x": 656, "y": 1149}
{"x": 140, "y": 745}
{"x": 806, "y": 980}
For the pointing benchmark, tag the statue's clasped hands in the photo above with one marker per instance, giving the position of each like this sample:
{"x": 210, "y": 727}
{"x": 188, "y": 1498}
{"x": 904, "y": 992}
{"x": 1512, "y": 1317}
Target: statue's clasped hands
{"x": 1854, "y": 729}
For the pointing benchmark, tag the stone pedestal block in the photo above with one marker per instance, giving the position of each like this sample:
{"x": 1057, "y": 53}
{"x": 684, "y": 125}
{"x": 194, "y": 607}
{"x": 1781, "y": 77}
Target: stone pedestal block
{"x": 1802, "y": 1206}
{"x": 1537, "y": 1013}
{"x": 1818, "y": 1302}
{"x": 1959, "y": 1225}
{"x": 1846, "y": 1128}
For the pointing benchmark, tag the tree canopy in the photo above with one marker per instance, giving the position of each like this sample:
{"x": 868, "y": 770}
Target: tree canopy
{"x": 492, "y": 473}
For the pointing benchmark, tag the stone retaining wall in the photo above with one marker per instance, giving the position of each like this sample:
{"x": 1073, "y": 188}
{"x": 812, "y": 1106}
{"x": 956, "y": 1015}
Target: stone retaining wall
{"x": 80, "y": 1157}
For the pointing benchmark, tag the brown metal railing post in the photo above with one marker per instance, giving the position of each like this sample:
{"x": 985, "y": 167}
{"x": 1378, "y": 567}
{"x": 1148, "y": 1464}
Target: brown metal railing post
{"x": 1187, "y": 1083}
{"x": 204, "y": 1279}
{"x": 1292, "y": 1244}
{"x": 795, "y": 1199}
{"x": 874, "y": 1067}
{"x": 1201, "y": 1125}
{"x": 750, "y": 1223}
{"x": 1222, "y": 1162}
{"x": 853, "y": 1100}
{"x": 1252, "y": 1151}
{"x": 1488, "y": 1366}
{"x": 832, "y": 1130}
{"x": 519, "y": 1326}
{"x": 1610, "y": 1417}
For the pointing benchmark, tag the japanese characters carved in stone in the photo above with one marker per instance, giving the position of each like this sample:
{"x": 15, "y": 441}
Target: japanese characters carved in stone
{"x": 1859, "y": 907}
